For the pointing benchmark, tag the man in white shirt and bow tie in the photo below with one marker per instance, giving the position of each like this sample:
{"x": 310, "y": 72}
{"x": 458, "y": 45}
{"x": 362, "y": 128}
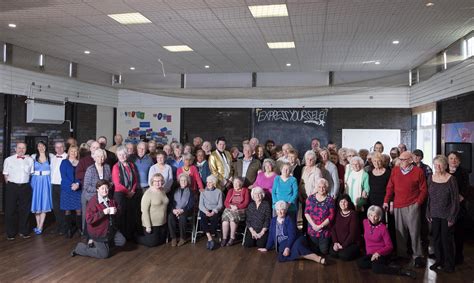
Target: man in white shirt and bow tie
{"x": 17, "y": 170}
{"x": 56, "y": 160}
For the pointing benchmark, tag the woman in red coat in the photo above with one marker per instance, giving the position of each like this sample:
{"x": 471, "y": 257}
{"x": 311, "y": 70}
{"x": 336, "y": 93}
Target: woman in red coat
{"x": 235, "y": 204}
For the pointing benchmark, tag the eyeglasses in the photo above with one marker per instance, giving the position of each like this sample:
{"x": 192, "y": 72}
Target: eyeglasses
{"x": 403, "y": 159}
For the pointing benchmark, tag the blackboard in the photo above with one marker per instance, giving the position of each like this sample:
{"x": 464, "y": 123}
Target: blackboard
{"x": 235, "y": 124}
{"x": 296, "y": 126}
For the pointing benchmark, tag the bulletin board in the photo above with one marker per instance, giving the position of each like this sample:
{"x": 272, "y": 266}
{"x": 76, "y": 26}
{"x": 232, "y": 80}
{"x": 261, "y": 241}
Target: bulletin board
{"x": 159, "y": 124}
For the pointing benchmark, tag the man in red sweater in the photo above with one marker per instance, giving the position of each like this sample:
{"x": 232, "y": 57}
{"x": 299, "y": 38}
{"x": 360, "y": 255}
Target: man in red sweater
{"x": 407, "y": 188}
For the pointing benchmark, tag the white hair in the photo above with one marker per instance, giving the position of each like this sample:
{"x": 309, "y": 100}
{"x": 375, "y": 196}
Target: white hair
{"x": 281, "y": 205}
{"x": 212, "y": 179}
{"x": 257, "y": 191}
{"x": 375, "y": 209}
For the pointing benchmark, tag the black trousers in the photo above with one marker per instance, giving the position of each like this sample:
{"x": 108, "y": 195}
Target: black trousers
{"x": 17, "y": 208}
{"x": 443, "y": 238}
{"x": 379, "y": 266}
{"x": 174, "y": 221}
{"x": 205, "y": 221}
{"x": 58, "y": 213}
{"x": 348, "y": 253}
{"x": 425, "y": 228}
{"x": 128, "y": 220}
{"x": 155, "y": 238}
{"x": 250, "y": 242}
{"x": 459, "y": 233}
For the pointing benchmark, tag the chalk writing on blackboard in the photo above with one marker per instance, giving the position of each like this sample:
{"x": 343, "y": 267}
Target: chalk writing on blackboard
{"x": 317, "y": 117}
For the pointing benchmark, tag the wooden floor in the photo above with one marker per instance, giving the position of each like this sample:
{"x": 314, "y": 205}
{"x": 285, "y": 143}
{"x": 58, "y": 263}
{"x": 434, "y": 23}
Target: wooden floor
{"x": 46, "y": 258}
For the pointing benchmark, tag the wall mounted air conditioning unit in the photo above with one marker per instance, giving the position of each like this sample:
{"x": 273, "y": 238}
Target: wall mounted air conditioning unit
{"x": 44, "y": 111}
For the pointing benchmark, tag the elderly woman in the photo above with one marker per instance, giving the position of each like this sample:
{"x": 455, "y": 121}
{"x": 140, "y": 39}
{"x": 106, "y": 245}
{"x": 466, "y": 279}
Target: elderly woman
{"x": 97, "y": 171}
{"x": 345, "y": 232}
{"x": 182, "y": 205}
{"x": 357, "y": 182}
{"x": 202, "y": 165}
{"x": 70, "y": 198}
{"x": 379, "y": 246}
{"x": 342, "y": 154}
{"x": 101, "y": 218}
{"x": 283, "y": 235}
{"x": 192, "y": 171}
{"x": 258, "y": 216}
{"x": 210, "y": 205}
{"x": 285, "y": 188}
{"x": 188, "y": 148}
{"x": 442, "y": 211}
{"x": 309, "y": 176}
{"x": 162, "y": 168}
{"x": 207, "y": 148}
{"x": 462, "y": 178}
{"x": 234, "y": 153}
{"x": 266, "y": 178}
{"x": 125, "y": 179}
{"x": 154, "y": 207}
{"x": 235, "y": 203}
{"x": 331, "y": 169}
{"x": 176, "y": 160}
{"x": 319, "y": 213}
{"x": 378, "y": 180}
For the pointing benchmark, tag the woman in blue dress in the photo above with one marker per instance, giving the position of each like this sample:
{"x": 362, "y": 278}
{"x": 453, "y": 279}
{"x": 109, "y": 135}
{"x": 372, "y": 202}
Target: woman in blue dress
{"x": 283, "y": 234}
{"x": 71, "y": 192}
{"x": 41, "y": 201}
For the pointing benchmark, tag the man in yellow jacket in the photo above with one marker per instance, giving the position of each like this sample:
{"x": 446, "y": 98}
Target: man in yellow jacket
{"x": 220, "y": 164}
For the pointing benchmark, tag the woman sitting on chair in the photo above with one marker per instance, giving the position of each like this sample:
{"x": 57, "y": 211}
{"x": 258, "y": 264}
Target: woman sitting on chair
{"x": 210, "y": 204}
{"x": 182, "y": 205}
{"x": 283, "y": 234}
{"x": 235, "y": 203}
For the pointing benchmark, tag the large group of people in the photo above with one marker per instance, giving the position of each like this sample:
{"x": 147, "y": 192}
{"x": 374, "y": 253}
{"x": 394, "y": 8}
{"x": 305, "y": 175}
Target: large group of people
{"x": 149, "y": 193}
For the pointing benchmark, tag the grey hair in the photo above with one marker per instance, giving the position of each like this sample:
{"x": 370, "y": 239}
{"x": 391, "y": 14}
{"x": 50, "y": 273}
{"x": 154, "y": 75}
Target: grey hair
{"x": 184, "y": 175}
{"x": 122, "y": 149}
{"x": 212, "y": 179}
{"x": 269, "y": 161}
{"x": 310, "y": 153}
{"x": 257, "y": 191}
{"x": 358, "y": 159}
{"x": 142, "y": 143}
{"x": 281, "y": 205}
{"x": 239, "y": 179}
{"x": 442, "y": 159}
{"x": 188, "y": 156}
{"x": 375, "y": 209}
{"x": 99, "y": 151}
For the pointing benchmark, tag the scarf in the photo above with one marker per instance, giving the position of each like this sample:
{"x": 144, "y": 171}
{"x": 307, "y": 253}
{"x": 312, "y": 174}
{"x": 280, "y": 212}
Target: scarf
{"x": 407, "y": 170}
{"x": 126, "y": 177}
{"x": 181, "y": 197}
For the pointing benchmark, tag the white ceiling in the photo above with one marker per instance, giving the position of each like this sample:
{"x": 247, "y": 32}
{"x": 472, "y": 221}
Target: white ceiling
{"x": 336, "y": 35}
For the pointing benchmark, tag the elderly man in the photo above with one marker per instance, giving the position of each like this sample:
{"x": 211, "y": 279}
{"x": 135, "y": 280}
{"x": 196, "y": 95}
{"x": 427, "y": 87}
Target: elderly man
{"x": 247, "y": 167}
{"x": 16, "y": 171}
{"x": 219, "y": 164}
{"x": 56, "y": 160}
{"x": 142, "y": 162}
{"x": 315, "y": 145}
{"x": 85, "y": 162}
{"x": 253, "y": 142}
{"x": 285, "y": 148}
{"x": 111, "y": 157}
{"x": 197, "y": 143}
{"x": 407, "y": 188}
{"x": 427, "y": 171}
{"x": 118, "y": 139}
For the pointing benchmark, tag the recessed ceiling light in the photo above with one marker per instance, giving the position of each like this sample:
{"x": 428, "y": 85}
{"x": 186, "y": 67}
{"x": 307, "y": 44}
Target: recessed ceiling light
{"x": 377, "y": 63}
{"x": 429, "y": 4}
{"x": 12, "y": 25}
{"x": 207, "y": 66}
{"x": 87, "y": 52}
{"x": 177, "y": 48}
{"x": 395, "y": 42}
{"x": 266, "y": 11}
{"x": 130, "y": 18}
{"x": 132, "y": 68}
{"x": 281, "y": 45}
{"x": 288, "y": 64}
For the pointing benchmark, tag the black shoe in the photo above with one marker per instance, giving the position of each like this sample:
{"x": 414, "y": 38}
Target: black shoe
{"x": 408, "y": 272}
{"x": 419, "y": 262}
{"x": 25, "y": 236}
{"x": 223, "y": 243}
{"x": 436, "y": 266}
{"x": 208, "y": 245}
{"x": 212, "y": 245}
{"x": 459, "y": 260}
{"x": 448, "y": 269}
{"x": 73, "y": 253}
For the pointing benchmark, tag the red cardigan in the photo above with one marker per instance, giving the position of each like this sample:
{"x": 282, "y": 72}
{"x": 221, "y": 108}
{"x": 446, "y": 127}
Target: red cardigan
{"x": 97, "y": 222}
{"x": 116, "y": 178}
{"x": 245, "y": 198}
{"x": 196, "y": 182}
{"x": 406, "y": 189}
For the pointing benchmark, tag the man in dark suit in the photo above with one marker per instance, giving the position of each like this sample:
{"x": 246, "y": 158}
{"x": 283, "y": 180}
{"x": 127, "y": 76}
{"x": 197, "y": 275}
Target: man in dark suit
{"x": 247, "y": 167}
{"x": 111, "y": 157}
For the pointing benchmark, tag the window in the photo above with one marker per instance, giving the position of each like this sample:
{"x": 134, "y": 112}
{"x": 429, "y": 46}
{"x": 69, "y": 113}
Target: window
{"x": 426, "y": 136}
{"x": 470, "y": 47}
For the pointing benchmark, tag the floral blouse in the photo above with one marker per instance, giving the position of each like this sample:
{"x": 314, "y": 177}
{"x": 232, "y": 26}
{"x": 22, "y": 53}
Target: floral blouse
{"x": 319, "y": 212}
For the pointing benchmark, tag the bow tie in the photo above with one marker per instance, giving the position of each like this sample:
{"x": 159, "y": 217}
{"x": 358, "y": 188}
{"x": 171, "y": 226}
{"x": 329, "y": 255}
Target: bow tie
{"x": 59, "y": 156}
{"x": 20, "y": 157}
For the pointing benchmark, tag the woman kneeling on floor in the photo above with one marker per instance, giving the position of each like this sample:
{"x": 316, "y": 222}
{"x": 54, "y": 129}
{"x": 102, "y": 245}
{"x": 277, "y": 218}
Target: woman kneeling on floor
{"x": 283, "y": 234}
{"x": 379, "y": 246}
{"x": 100, "y": 219}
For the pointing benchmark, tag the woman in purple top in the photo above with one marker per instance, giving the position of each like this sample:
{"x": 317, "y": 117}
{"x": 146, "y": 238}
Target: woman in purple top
{"x": 379, "y": 246}
{"x": 319, "y": 212}
{"x": 442, "y": 211}
{"x": 265, "y": 178}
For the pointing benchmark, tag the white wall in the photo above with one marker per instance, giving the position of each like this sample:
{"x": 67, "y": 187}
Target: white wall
{"x": 105, "y": 123}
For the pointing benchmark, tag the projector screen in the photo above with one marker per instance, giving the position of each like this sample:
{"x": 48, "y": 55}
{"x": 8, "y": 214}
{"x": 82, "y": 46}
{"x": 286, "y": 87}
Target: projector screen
{"x": 366, "y": 138}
